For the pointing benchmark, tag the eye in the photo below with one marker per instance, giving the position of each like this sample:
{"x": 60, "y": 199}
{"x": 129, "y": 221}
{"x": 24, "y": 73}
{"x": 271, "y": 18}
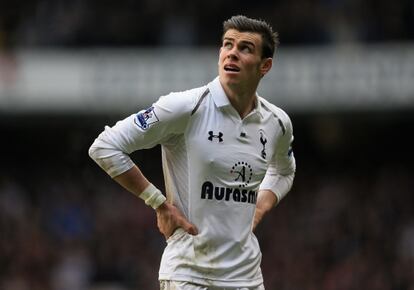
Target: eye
{"x": 227, "y": 44}
{"x": 246, "y": 49}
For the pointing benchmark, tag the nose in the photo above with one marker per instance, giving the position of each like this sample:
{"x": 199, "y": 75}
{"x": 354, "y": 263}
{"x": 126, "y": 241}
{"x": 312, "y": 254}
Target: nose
{"x": 232, "y": 54}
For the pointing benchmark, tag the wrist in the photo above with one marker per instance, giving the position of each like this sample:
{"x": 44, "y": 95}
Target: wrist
{"x": 152, "y": 196}
{"x": 163, "y": 207}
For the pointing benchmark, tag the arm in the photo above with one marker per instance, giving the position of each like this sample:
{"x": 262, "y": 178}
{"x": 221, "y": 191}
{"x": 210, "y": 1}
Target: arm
{"x": 274, "y": 187}
{"x": 279, "y": 175}
{"x": 133, "y": 180}
{"x": 146, "y": 129}
{"x": 266, "y": 200}
{"x": 169, "y": 218}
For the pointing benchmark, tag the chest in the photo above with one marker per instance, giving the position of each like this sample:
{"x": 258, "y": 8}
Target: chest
{"x": 236, "y": 152}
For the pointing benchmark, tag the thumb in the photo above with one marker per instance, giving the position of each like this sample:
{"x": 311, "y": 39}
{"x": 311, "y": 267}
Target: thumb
{"x": 189, "y": 227}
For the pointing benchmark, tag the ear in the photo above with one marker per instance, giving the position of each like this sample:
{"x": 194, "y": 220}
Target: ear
{"x": 266, "y": 65}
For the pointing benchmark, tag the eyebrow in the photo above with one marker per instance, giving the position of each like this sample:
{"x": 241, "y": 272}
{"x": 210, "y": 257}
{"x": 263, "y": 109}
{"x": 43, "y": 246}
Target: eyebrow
{"x": 243, "y": 41}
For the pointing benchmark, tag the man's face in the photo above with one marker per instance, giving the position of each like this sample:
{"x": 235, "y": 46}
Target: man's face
{"x": 240, "y": 60}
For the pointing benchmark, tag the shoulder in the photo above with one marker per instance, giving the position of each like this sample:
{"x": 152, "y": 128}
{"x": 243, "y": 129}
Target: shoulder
{"x": 280, "y": 116}
{"x": 184, "y": 101}
{"x": 170, "y": 112}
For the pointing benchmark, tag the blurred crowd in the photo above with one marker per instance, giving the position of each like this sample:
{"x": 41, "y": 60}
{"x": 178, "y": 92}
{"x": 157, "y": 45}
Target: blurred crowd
{"x": 59, "y": 233}
{"x": 80, "y": 23}
{"x": 348, "y": 222}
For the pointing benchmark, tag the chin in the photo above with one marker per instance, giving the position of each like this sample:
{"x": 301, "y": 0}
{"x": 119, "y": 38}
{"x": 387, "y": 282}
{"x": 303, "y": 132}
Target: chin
{"x": 231, "y": 77}
{"x": 230, "y": 82}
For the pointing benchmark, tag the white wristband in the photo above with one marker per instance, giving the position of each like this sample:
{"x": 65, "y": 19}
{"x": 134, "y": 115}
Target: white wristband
{"x": 152, "y": 196}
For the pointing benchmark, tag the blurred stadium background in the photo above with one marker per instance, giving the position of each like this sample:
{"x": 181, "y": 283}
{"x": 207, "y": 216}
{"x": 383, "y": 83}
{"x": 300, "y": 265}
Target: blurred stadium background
{"x": 344, "y": 72}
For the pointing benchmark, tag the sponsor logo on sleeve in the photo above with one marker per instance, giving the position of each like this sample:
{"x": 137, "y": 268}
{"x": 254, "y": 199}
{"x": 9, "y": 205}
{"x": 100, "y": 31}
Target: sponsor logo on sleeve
{"x": 145, "y": 118}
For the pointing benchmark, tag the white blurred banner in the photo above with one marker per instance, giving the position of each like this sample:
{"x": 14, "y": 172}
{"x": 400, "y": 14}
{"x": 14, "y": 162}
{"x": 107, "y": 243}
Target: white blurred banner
{"x": 119, "y": 81}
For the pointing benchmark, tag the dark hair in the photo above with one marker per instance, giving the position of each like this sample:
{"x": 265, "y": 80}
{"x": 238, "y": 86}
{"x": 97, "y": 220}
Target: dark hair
{"x": 242, "y": 23}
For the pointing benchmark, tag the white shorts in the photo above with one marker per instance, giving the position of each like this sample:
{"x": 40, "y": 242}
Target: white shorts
{"x": 178, "y": 285}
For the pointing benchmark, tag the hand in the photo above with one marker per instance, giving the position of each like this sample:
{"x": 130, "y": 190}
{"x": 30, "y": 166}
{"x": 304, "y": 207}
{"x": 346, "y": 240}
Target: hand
{"x": 169, "y": 218}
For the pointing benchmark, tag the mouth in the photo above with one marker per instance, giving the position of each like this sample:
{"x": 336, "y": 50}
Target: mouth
{"x": 231, "y": 68}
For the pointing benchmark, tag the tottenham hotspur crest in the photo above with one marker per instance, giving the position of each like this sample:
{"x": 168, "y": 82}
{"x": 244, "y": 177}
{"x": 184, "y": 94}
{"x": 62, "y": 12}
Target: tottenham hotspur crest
{"x": 263, "y": 141}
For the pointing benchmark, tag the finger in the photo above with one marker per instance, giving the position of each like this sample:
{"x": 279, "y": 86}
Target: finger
{"x": 189, "y": 227}
{"x": 193, "y": 230}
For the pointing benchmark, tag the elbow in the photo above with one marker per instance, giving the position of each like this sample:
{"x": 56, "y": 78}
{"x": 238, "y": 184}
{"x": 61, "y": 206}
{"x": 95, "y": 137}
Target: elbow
{"x": 92, "y": 151}
{"x": 112, "y": 161}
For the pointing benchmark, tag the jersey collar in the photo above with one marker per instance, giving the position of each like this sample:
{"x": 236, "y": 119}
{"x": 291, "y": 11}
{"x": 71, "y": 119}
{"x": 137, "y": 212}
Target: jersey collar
{"x": 218, "y": 94}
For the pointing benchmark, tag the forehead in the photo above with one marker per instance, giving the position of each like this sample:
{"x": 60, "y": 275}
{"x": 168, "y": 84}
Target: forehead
{"x": 236, "y": 35}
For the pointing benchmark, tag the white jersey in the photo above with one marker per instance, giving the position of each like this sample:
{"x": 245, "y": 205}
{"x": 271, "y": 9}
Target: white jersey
{"x": 214, "y": 163}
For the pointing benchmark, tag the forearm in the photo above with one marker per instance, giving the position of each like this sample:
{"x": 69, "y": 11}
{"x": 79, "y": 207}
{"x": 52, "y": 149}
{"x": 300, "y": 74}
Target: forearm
{"x": 133, "y": 180}
{"x": 266, "y": 200}
{"x": 169, "y": 217}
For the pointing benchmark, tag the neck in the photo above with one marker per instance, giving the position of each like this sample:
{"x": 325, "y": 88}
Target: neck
{"x": 242, "y": 100}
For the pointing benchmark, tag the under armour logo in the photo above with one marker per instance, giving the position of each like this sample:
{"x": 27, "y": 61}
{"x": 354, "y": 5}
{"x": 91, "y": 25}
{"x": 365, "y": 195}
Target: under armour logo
{"x": 211, "y": 136}
{"x": 263, "y": 140}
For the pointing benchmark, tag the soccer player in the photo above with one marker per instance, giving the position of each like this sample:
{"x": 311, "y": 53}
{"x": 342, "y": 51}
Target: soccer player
{"x": 227, "y": 160}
